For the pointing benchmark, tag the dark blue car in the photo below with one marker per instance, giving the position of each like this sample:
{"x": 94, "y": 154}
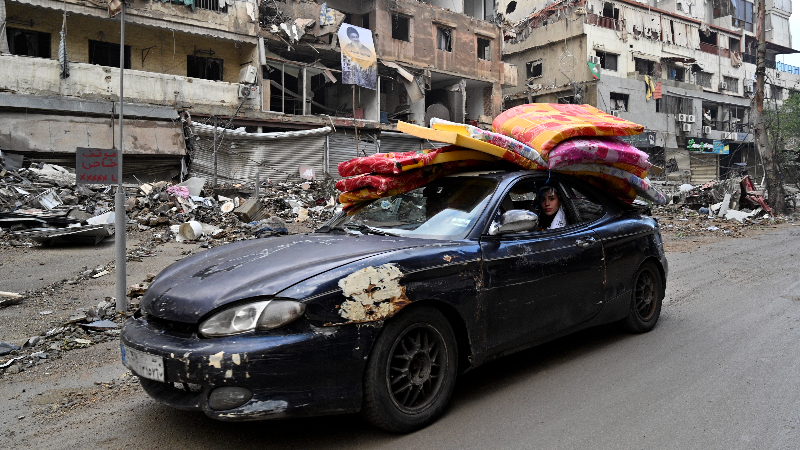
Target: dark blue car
{"x": 380, "y": 310}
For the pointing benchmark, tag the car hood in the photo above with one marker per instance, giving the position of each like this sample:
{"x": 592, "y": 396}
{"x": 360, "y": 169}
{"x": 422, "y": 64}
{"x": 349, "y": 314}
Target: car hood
{"x": 191, "y": 288}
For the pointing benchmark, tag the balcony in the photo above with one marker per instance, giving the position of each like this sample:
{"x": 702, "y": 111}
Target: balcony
{"x": 604, "y": 22}
{"x": 40, "y": 76}
{"x": 714, "y": 50}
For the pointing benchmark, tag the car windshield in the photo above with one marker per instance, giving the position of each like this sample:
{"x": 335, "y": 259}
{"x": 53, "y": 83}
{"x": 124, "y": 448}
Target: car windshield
{"x": 444, "y": 209}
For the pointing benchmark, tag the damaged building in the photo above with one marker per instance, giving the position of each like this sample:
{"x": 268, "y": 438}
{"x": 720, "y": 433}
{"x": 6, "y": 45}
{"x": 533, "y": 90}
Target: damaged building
{"x": 59, "y": 83}
{"x": 236, "y": 89}
{"x": 683, "y": 69}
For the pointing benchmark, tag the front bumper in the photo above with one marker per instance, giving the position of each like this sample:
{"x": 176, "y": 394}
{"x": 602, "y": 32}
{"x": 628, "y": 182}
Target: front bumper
{"x": 297, "y": 370}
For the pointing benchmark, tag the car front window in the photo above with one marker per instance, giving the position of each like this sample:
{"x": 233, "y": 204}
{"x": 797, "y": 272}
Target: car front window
{"x": 444, "y": 209}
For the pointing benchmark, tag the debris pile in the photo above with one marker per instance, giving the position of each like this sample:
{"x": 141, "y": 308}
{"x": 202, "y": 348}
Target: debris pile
{"x": 43, "y": 203}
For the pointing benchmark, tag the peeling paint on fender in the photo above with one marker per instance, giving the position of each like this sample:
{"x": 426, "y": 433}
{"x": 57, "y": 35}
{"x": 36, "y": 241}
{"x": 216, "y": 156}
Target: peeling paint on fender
{"x": 216, "y": 360}
{"x": 374, "y": 293}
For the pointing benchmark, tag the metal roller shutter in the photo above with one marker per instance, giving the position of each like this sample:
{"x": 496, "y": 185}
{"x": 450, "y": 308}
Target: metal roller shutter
{"x": 343, "y": 147}
{"x": 704, "y": 167}
{"x": 399, "y": 142}
{"x": 239, "y": 155}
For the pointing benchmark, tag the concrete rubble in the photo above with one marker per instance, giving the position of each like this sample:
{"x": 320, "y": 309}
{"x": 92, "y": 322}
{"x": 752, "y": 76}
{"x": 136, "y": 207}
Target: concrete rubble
{"x": 42, "y": 203}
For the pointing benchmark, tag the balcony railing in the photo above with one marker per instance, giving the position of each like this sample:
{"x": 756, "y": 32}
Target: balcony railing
{"x": 600, "y": 21}
{"x": 714, "y": 50}
{"x": 727, "y": 126}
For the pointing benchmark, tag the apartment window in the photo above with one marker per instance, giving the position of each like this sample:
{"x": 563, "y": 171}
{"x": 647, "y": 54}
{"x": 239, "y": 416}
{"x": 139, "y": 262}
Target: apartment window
{"x": 608, "y": 61}
{"x": 28, "y": 42}
{"x": 619, "y": 102}
{"x": 533, "y": 69}
{"x": 484, "y": 49}
{"x": 401, "y": 28}
{"x": 365, "y": 21}
{"x": 107, "y": 54}
{"x": 734, "y": 45}
{"x": 703, "y": 79}
{"x": 742, "y": 16}
{"x": 204, "y": 67}
{"x": 676, "y": 73}
{"x": 776, "y": 91}
{"x": 348, "y": 18}
{"x": 212, "y": 5}
{"x": 444, "y": 39}
{"x": 644, "y": 66}
{"x": 733, "y": 84}
{"x": 610, "y": 12}
{"x": 710, "y": 38}
{"x": 671, "y": 104}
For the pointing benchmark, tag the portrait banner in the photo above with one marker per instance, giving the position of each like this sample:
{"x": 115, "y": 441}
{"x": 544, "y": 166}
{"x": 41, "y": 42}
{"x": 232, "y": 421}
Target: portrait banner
{"x": 359, "y": 63}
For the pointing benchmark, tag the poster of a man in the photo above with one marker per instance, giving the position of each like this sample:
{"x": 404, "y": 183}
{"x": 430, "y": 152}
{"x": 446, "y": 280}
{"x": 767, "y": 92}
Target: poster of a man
{"x": 359, "y": 63}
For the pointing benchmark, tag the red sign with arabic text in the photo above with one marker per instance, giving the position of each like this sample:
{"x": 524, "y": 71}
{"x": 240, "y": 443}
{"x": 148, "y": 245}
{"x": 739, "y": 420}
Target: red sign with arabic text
{"x": 96, "y": 166}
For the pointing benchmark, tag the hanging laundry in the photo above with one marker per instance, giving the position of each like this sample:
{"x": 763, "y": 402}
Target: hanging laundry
{"x": 649, "y": 87}
{"x": 63, "y": 61}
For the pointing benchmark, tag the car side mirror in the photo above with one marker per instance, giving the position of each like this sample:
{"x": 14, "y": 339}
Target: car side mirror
{"x": 515, "y": 221}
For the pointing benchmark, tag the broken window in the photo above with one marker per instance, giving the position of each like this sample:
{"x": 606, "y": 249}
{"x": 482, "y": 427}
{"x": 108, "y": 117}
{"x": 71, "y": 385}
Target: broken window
{"x": 533, "y": 69}
{"x": 204, "y": 67}
{"x": 732, "y": 84}
{"x": 212, "y": 5}
{"x": 610, "y": 12}
{"x": 644, "y": 66}
{"x": 608, "y": 61}
{"x": 703, "y": 79}
{"x": 672, "y": 104}
{"x": 400, "y": 28}
{"x": 28, "y": 43}
{"x": 567, "y": 100}
{"x": 511, "y": 7}
{"x": 709, "y": 116}
{"x": 676, "y": 73}
{"x": 365, "y": 21}
{"x": 619, "y": 102}
{"x": 484, "y": 49}
{"x": 444, "y": 39}
{"x": 709, "y": 38}
{"x": 107, "y": 54}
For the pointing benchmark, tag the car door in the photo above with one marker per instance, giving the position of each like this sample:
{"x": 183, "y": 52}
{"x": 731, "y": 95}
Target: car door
{"x": 536, "y": 284}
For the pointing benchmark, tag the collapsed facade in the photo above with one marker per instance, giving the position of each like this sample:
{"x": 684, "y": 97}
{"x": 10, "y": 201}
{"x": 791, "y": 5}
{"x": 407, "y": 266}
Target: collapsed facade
{"x": 685, "y": 70}
{"x": 211, "y": 82}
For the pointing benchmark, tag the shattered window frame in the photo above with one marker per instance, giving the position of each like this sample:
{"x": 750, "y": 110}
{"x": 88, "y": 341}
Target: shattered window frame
{"x": 484, "y": 48}
{"x": 530, "y": 66}
{"x": 401, "y": 28}
{"x": 203, "y": 62}
{"x": 704, "y": 79}
{"x": 444, "y": 38}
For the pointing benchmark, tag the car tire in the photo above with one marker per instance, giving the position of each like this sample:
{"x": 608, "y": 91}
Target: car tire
{"x": 411, "y": 371}
{"x": 646, "y": 299}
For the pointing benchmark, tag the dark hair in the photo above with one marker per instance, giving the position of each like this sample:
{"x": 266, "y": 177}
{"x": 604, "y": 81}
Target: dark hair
{"x": 351, "y": 30}
{"x": 546, "y": 189}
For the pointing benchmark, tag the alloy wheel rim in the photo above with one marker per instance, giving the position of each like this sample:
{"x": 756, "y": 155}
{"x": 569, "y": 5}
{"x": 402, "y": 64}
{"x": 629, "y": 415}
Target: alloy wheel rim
{"x": 415, "y": 368}
{"x": 645, "y": 295}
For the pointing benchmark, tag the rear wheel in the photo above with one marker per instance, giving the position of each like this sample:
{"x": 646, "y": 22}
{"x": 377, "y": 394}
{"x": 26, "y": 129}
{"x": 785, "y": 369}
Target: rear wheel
{"x": 411, "y": 371}
{"x": 648, "y": 293}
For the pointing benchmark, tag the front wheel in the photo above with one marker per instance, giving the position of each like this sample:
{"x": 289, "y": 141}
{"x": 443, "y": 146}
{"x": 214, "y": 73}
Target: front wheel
{"x": 411, "y": 371}
{"x": 648, "y": 293}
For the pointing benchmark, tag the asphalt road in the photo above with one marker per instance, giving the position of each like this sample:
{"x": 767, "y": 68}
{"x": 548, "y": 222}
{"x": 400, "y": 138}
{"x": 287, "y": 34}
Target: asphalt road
{"x": 721, "y": 370}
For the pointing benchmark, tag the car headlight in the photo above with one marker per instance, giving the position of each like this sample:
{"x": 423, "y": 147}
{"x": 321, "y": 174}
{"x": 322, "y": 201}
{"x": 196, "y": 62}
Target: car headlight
{"x": 257, "y": 316}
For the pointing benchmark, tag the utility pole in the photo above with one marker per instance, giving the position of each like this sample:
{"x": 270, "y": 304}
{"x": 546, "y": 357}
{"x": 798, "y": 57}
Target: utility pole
{"x": 120, "y": 216}
{"x": 774, "y": 182}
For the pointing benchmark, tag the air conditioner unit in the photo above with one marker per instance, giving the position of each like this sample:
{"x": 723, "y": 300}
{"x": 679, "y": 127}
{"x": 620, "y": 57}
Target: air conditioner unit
{"x": 690, "y": 118}
{"x": 748, "y": 88}
{"x": 687, "y": 127}
{"x": 615, "y": 112}
{"x": 247, "y": 91}
{"x": 681, "y": 117}
{"x": 706, "y": 129}
{"x": 247, "y": 75}
{"x": 594, "y": 59}
{"x": 723, "y": 86}
{"x": 727, "y": 136}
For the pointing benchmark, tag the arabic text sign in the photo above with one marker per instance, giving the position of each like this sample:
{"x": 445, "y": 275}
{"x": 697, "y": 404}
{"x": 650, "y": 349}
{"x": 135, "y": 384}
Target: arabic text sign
{"x": 96, "y": 166}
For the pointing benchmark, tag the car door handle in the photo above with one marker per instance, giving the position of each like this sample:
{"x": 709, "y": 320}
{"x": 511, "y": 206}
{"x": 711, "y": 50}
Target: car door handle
{"x": 585, "y": 243}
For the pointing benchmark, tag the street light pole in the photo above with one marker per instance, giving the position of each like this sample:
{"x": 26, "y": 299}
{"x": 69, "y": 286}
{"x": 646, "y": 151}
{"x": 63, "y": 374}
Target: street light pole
{"x": 120, "y": 218}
